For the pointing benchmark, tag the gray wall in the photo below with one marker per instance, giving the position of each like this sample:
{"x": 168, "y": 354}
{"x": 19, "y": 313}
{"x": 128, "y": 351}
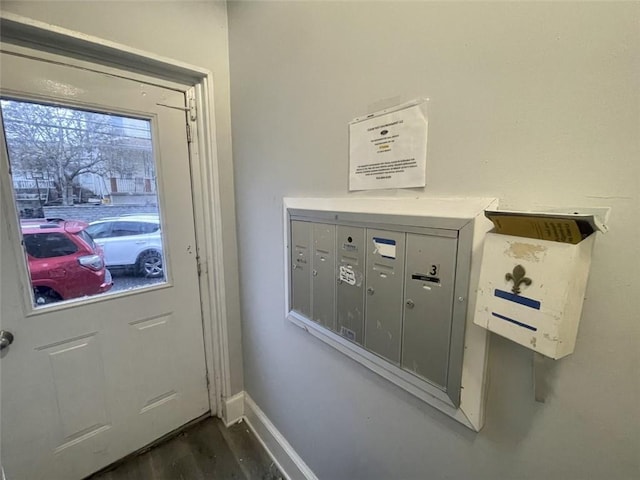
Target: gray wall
{"x": 534, "y": 103}
{"x": 194, "y": 32}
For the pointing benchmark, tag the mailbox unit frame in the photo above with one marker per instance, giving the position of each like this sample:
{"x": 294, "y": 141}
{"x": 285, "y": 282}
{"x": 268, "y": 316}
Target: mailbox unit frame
{"x": 462, "y": 397}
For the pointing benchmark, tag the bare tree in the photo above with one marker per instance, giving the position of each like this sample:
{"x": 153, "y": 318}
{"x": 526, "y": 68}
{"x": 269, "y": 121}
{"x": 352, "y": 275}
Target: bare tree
{"x": 62, "y": 143}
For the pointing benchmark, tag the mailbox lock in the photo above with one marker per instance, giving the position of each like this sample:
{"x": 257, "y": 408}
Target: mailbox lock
{"x": 295, "y": 266}
{"x": 410, "y": 304}
{"x": 315, "y": 273}
{"x": 370, "y": 291}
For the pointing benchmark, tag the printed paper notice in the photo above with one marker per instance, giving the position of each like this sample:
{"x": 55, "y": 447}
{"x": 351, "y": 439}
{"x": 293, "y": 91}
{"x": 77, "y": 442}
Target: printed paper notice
{"x": 389, "y": 150}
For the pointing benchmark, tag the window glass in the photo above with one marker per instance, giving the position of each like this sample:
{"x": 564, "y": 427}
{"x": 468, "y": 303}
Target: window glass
{"x": 123, "y": 229}
{"x": 82, "y": 181}
{"x": 87, "y": 238}
{"x": 149, "y": 227}
{"x": 47, "y": 245}
{"x": 99, "y": 230}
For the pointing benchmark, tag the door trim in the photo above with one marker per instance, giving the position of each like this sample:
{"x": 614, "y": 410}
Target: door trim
{"x": 39, "y": 40}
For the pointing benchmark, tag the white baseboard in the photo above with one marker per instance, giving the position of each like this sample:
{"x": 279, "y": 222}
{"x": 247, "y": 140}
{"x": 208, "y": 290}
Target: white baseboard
{"x": 281, "y": 452}
{"x": 233, "y": 409}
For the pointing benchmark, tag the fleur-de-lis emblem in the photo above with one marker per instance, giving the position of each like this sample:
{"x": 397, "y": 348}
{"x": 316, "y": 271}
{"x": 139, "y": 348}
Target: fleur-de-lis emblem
{"x": 518, "y": 278}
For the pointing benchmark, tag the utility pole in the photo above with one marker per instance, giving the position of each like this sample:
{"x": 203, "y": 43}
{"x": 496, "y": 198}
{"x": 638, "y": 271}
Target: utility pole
{"x": 36, "y": 176}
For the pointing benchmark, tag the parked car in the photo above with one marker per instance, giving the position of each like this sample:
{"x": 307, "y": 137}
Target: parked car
{"x": 131, "y": 241}
{"x": 64, "y": 261}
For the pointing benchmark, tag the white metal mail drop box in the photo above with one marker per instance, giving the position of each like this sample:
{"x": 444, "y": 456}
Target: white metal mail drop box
{"x": 531, "y": 290}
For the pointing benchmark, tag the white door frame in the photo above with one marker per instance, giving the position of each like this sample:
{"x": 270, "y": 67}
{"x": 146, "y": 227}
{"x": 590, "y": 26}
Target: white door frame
{"x": 40, "y": 40}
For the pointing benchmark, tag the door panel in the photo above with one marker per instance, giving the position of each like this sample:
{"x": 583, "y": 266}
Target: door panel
{"x": 350, "y": 290}
{"x": 155, "y": 369}
{"x": 323, "y": 275}
{"x": 384, "y": 282}
{"x": 301, "y": 266}
{"x": 78, "y": 375}
{"x": 429, "y": 286}
{"x": 90, "y": 381}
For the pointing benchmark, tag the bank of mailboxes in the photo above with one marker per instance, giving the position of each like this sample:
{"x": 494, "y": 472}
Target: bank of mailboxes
{"x": 533, "y": 278}
{"x": 388, "y": 290}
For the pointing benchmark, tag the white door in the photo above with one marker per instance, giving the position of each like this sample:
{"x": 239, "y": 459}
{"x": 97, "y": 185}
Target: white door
{"x": 89, "y": 380}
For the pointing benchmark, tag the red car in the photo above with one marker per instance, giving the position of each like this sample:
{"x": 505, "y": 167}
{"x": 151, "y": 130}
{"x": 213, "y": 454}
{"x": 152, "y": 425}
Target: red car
{"x": 64, "y": 262}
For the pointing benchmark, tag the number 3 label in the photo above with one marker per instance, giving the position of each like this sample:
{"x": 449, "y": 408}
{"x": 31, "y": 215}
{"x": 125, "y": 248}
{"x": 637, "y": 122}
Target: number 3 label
{"x": 433, "y": 270}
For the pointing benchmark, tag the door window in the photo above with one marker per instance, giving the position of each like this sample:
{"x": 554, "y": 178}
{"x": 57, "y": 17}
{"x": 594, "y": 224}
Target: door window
{"x": 81, "y": 178}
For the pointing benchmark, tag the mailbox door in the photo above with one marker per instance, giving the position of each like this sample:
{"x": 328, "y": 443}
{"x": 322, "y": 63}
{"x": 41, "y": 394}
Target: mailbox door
{"x": 323, "y": 283}
{"x": 428, "y": 308}
{"x": 384, "y": 296}
{"x": 301, "y": 267}
{"x": 350, "y": 248}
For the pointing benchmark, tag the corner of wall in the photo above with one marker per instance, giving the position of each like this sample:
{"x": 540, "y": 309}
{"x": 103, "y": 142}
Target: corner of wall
{"x": 279, "y": 449}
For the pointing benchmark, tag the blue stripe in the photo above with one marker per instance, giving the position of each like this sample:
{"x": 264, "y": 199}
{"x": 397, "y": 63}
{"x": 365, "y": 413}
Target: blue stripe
{"x": 385, "y": 241}
{"x": 527, "y": 302}
{"x": 520, "y": 324}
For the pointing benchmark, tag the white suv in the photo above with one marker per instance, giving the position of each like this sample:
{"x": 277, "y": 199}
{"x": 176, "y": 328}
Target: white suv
{"x": 131, "y": 241}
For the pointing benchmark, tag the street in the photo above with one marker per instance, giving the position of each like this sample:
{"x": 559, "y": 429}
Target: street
{"x": 125, "y": 280}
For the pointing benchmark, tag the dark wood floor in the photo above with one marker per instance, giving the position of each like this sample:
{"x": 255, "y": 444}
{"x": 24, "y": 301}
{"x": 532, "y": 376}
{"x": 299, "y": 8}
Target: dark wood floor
{"x": 207, "y": 450}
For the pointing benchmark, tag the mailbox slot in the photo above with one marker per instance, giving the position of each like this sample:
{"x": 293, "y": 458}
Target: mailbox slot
{"x": 416, "y": 330}
{"x": 384, "y": 283}
{"x": 393, "y": 287}
{"x": 391, "y": 291}
{"x": 350, "y": 282}
{"x": 301, "y": 267}
{"x": 323, "y": 281}
{"x": 428, "y": 306}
